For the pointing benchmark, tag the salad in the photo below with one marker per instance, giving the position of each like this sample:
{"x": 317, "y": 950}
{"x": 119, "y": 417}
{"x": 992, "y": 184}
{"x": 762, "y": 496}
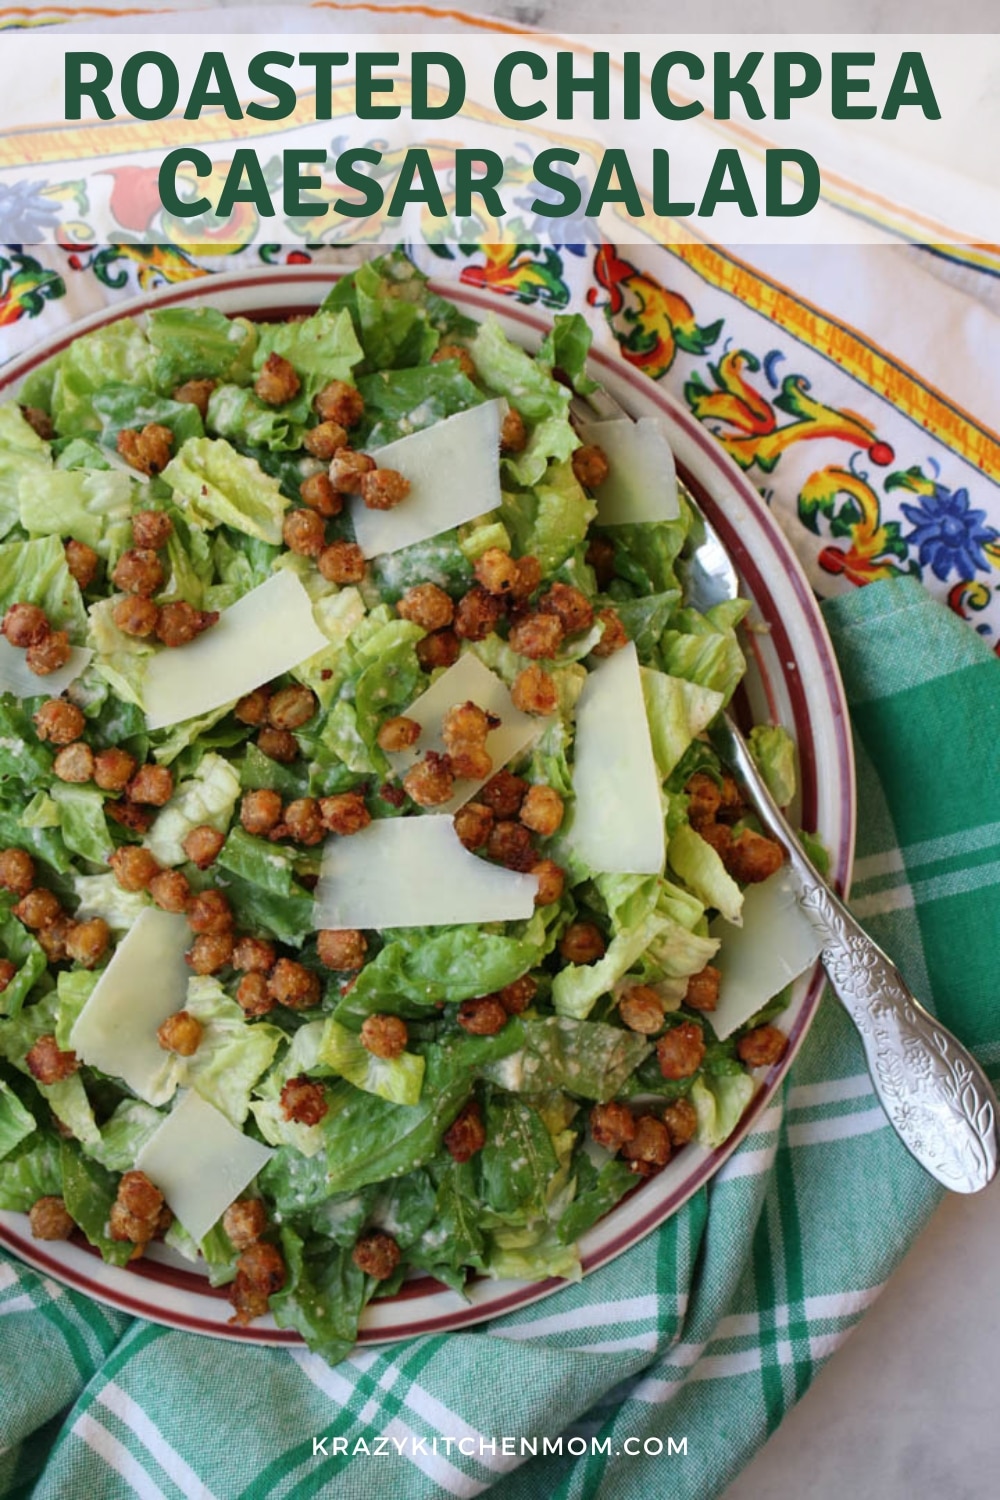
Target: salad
{"x": 363, "y": 860}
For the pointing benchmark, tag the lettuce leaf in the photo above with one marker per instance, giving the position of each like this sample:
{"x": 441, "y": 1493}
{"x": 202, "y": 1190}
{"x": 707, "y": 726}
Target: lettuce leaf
{"x": 586, "y": 1058}
{"x": 697, "y": 864}
{"x": 232, "y": 1055}
{"x": 31, "y": 1171}
{"x": 208, "y": 797}
{"x": 20, "y": 947}
{"x": 677, "y": 712}
{"x": 719, "y": 1101}
{"x": 550, "y": 520}
{"x": 199, "y": 343}
{"x": 91, "y": 506}
{"x": 214, "y": 485}
{"x": 88, "y": 1190}
{"x": 24, "y": 457}
{"x": 773, "y": 750}
{"x": 577, "y": 988}
{"x": 35, "y": 572}
{"x": 82, "y": 821}
{"x": 122, "y": 406}
{"x": 398, "y": 402}
{"x": 120, "y": 353}
{"x": 398, "y": 1079}
{"x": 16, "y": 1122}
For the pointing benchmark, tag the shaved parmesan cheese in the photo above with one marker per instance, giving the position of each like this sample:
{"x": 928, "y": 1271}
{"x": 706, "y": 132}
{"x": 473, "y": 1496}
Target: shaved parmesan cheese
{"x": 17, "y": 677}
{"x": 454, "y": 473}
{"x": 618, "y": 818}
{"x": 642, "y": 482}
{"x": 777, "y": 942}
{"x": 200, "y": 1163}
{"x": 145, "y": 982}
{"x": 267, "y": 632}
{"x": 414, "y": 872}
{"x": 468, "y": 680}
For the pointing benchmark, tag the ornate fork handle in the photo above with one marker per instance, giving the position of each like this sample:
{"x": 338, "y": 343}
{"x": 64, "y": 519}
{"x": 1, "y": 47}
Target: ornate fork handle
{"x": 936, "y": 1096}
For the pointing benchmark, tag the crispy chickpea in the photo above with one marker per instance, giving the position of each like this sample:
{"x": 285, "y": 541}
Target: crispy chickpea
{"x": 477, "y": 614}
{"x": 341, "y": 403}
{"x": 74, "y": 763}
{"x": 431, "y": 781}
{"x": 130, "y": 815}
{"x": 497, "y": 571}
{"x": 303, "y": 822}
{"x": 140, "y": 1197}
{"x": 384, "y": 1036}
{"x": 601, "y": 557}
{"x": 516, "y": 997}
{"x": 210, "y": 952}
{"x": 277, "y": 381}
{"x": 377, "y": 1254}
{"x": 319, "y": 494}
{"x": 210, "y": 912}
{"x": 181, "y": 1033}
{"x": 466, "y": 723}
{"x": 53, "y": 938}
{"x": 17, "y": 871}
{"x": 254, "y": 955}
{"x": 459, "y": 354}
{"x": 324, "y": 440}
{"x": 535, "y": 692}
{"x": 82, "y": 562}
{"x": 244, "y": 1222}
{"x": 48, "y": 1063}
{"x": 427, "y": 606}
{"x": 542, "y": 810}
{"x": 751, "y": 857}
{"x": 504, "y": 793}
{"x": 582, "y": 943}
{"x": 473, "y": 824}
{"x": 650, "y": 1146}
{"x": 37, "y": 908}
{"x": 203, "y": 845}
{"x": 536, "y": 636}
{"x": 762, "y": 1047}
{"x": 612, "y": 1125}
{"x": 510, "y": 844}
{"x": 513, "y": 433}
{"x": 590, "y": 466}
{"x": 703, "y": 989}
{"x": 148, "y": 450}
{"x": 551, "y": 881}
{"x": 152, "y": 785}
{"x": 383, "y": 489}
{"x": 293, "y": 985}
{"x": 180, "y": 623}
{"x": 467, "y": 1134}
{"x": 439, "y": 649}
{"x": 348, "y": 469}
{"x": 39, "y": 421}
{"x": 344, "y": 813}
{"x": 304, "y": 532}
{"x": 7, "y": 972}
{"x": 342, "y": 949}
{"x": 278, "y": 744}
{"x": 136, "y": 616}
{"x": 25, "y": 625}
{"x": 260, "y": 811}
{"x": 529, "y": 576}
{"x": 291, "y": 707}
{"x": 87, "y": 942}
{"x": 680, "y": 1050}
{"x": 195, "y": 393}
{"x": 642, "y": 1010}
{"x": 483, "y": 1017}
{"x": 470, "y": 762}
{"x": 342, "y": 562}
{"x": 260, "y": 1272}
{"x": 398, "y": 733}
{"x": 138, "y": 571}
{"x": 113, "y": 769}
{"x": 681, "y": 1120}
{"x": 614, "y": 635}
{"x": 49, "y": 655}
{"x": 731, "y": 804}
{"x": 252, "y": 707}
{"x": 48, "y": 1219}
{"x": 151, "y": 528}
{"x": 170, "y": 890}
{"x": 133, "y": 866}
{"x": 252, "y": 995}
{"x": 570, "y": 605}
{"x": 704, "y": 800}
{"x": 58, "y": 722}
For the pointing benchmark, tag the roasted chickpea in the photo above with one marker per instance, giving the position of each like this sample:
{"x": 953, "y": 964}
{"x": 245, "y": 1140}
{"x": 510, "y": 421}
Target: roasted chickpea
{"x": 148, "y": 450}
{"x": 426, "y": 605}
{"x": 278, "y": 744}
{"x": 25, "y": 625}
{"x": 319, "y": 494}
{"x": 459, "y": 354}
{"x": 195, "y": 393}
{"x": 53, "y": 938}
{"x": 466, "y": 724}
{"x": 342, "y": 562}
{"x": 376, "y": 1254}
{"x": 341, "y": 403}
{"x": 291, "y": 707}
{"x": 37, "y": 908}
{"x": 58, "y": 722}
{"x": 151, "y": 529}
{"x": 542, "y": 810}
{"x": 138, "y": 571}
{"x": 649, "y": 1149}
{"x": 612, "y": 1125}
{"x": 49, "y": 655}
{"x": 470, "y": 762}
{"x": 130, "y": 815}
{"x": 510, "y": 844}
{"x": 254, "y": 955}
{"x": 535, "y": 692}
{"x": 497, "y": 571}
{"x": 342, "y": 949}
{"x": 681, "y": 1120}
{"x": 590, "y": 465}
{"x": 680, "y": 1050}
{"x": 252, "y": 707}
{"x": 260, "y": 811}
{"x": 582, "y": 943}
{"x": 136, "y": 616}
{"x": 113, "y": 769}
{"x": 133, "y": 866}
{"x": 47, "y": 1062}
{"x": 383, "y": 489}
{"x": 304, "y": 532}
{"x": 210, "y": 952}
{"x": 49, "y": 1220}
{"x": 704, "y": 800}
{"x": 529, "y": 576}
{"x": 181, "y": 1033}
{"x": 601, "y": 557}
{"x": 252, "y": 995}
{"x": 74, "y": 763}
{"x": 473, "y": 824}
{"x": 551, "y": 881}
{"x": 87, "y": 942}
{"x": 82, "y": 562}
{"x": 477, "y": 614}
{"x": 703, "y": 989}
{"x": 170, "y": 890}
{"x": 762, "y": 1047}
{"x": 203, "y": 845}
{"x": 244, "y": 1222}
{"x": 324, "y": 440}
{"x": 179, "y": 624}
{"x": 345, "y": 813}
{"x": 348, "y": 469}
{"x": 515, "y": 998}
{"x": 303, "y": 822}
{"x": 503, "y": 794}
{"x": 384, "y": 1036}
{"x": 152, "y": 785}
{"x": 571, "y": 607}
{"x": 439, "y": 649}
{"x": 260, "y": 1272}
{"x": 642, "y": 1010}
{"x": 7, "y": 972}
{"x": 210, "y": 912}
{"x": 751, "y": 857}
{"x": 483, "y": 1017}
{"x": 513, "y": 433}
{"x": 277, "y": 381}
{"x": 398, "y": 733}
{"x": 17, "y": 871}
{"x": 292, "y": 984}
{"x": 614, "y": 635}
{"x": 39, "y": 421}
{"x": 467, "y": 1134}
{"x": 536, "y": 636}
{"x": 431, "y": 781}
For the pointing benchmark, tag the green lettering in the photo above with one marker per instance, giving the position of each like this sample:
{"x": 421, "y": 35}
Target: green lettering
{"x": 75, "y": 86}
{"x": 568, "y": 189}
{"x": 506, "y": 104}
{"x": 365, "y": 86}
{"x": 659, "y": 85}
{"x": 485, "y": 187}
{"x": 568, "y": 84}
{"x": 842, "y": 85}
{"x": 294, "y": 184}
{"x": 280, "y": 89}
{"x": 417, "y": 164}
{"x": 922, "y": 95}
{"x": 256, "y": 190}
{"x": 372, "y": 196}
{"x": 213, "y": 69}
{"x": 774, "y": 175}
{"x": 784, "y": 89}
{"x": 726, "y": 84}
{"x": 614, "y": 164}
{"x": 662, "y": 206}
{"x": 323, "y": 64}
{"x": 632, "y": 94}
{"x": 728, "y": 163}
{"x": 166, "y": 182}
{"x": 169, "y": 86}
{"x": 420, "y": 105}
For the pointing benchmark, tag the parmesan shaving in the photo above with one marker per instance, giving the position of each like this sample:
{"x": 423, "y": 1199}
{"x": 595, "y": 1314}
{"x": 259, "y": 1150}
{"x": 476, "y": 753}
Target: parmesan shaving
{"x": 642, "y": 482}
{"x": 17, "y": 677}
{"x": 777, "y": 942}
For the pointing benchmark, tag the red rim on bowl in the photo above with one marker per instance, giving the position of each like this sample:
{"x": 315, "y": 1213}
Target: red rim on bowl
{"x": 792, "y": 678}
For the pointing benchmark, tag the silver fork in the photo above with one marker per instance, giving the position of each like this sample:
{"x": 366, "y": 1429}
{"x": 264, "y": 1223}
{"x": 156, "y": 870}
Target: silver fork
{"x": 936, "y": 1096}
